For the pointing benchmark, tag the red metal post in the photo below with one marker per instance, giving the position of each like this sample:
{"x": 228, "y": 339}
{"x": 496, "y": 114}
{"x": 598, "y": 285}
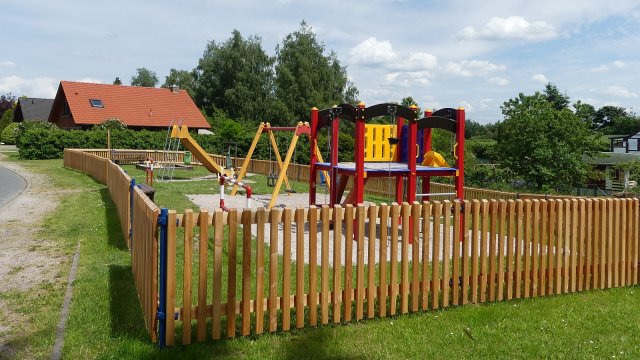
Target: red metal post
{"x": 335, "y": 133}
{"x": 460, "y": 153}
{"x": 398, "y": 156}
{"x": 359, "y": 155}
{"x": 426, "y": 180}
{"x": 412, "y": 143}
{"x": 313, "y": 158}
{"x": 460, "y": 165}
{"x": 412, "y": 152}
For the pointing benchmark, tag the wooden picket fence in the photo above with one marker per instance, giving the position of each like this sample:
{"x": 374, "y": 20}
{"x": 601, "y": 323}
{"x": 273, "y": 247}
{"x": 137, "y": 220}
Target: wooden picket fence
{"x": 250, "y": 272}
{"x": 508, "y": 250}
{"x": 141, "y": 220}
{"x": 381, "y": 187}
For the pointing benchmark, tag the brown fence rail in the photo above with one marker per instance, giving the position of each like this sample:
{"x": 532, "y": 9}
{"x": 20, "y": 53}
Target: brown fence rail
{"x": 381, "y": 187}
{"x": 250, "y": 272}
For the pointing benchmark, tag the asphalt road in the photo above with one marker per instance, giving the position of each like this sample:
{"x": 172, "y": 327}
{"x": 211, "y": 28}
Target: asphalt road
{"x": 11, "y": 184}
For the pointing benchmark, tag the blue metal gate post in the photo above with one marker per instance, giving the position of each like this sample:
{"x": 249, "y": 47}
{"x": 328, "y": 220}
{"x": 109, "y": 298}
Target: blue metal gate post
{"x": 132, "y": 185}
{"x": 162, "y": 330}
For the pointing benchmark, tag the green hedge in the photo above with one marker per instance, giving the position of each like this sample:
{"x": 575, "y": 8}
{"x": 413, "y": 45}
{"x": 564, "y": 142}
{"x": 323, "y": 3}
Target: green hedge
{"x": 39, "y": 140}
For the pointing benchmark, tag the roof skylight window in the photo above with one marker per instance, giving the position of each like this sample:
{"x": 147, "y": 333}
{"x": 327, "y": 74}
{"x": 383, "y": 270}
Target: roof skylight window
{"x": 96, "y": 103}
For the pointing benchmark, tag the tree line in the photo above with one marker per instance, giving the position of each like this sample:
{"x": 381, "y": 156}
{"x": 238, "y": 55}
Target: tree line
{"x": 238, "y": 79}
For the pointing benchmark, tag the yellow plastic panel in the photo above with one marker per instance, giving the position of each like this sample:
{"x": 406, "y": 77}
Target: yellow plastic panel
{"x": 376, "y": 142}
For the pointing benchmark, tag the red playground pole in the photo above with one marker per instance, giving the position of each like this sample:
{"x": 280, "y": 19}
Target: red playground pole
{"x": 426, "y": 141}
{"x": 398, "y": 157}
{"x": 359, "y": 155}
{"x": 459, "y": 153}
{"x": 313, "y": 158}
{"x": 333, "y": 159}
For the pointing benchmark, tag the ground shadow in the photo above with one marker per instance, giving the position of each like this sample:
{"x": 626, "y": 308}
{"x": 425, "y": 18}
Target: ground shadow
{"x": 126, "y": 315}
{"x": 113, "y": 225}
{"x": 314, "y": 344}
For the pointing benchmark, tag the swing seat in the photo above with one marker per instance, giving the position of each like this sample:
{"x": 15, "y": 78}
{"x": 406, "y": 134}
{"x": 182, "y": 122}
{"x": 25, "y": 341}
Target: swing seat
{"x": 271, "y": 180}
{"x": 290, "y": 191}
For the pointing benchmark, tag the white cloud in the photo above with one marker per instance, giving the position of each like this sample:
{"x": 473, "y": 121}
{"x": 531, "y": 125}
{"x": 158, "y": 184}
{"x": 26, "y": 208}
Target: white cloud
{"x": 466, "y": 105}
{"x": 513, "y": 27}
{"x": 619, "y": 64}
{"x": 418, "y": 61}
{"x": 7, "y": 63}
{"x": 380, "y": 53}
{"x": 90, "y": 80}
{"x": 468, "y": 68}
{"x": 407, "y": 78}
{"x": 44, "y": 87}
{"x": 620, "y": 91}
{"x": 373, "y": 52}
{"x": 487, "y": 104}
{"x": 498, "y": 81}
{"x": 605, "y": 67}
{"x": 601, "y": 68}
{"x": 540, "y": 78}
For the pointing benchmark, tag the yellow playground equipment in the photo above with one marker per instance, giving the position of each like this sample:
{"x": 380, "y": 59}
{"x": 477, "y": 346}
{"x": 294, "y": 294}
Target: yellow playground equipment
{"x": 198, "y": 152}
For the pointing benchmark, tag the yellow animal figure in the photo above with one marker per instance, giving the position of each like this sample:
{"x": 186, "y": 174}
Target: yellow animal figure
{"x": 434, "y": 159}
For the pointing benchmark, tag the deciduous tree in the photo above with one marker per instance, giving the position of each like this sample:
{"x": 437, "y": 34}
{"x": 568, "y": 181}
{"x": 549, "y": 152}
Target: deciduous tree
{"x": 7, "y": 101}
{"x": 236, "y": 77}
{"x": 144, "y": 77}
{"x": 544, "y": 145}
{"x": 555, "y": 97}
{"x": 181, "y": 78}
{"x": 307, "y": 77}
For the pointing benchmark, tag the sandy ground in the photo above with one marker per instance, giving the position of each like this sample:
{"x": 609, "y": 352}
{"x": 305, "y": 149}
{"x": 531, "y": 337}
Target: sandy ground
{"x": 211, "y": 202}
{"x": 27, "y": 259}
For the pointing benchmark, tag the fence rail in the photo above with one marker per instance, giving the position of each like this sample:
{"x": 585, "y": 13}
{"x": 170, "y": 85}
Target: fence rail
{"x": 250, "y": 272}
{"x": 381, "y": 187}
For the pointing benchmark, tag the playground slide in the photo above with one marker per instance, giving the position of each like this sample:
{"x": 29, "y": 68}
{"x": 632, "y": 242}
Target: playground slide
{"x": 198, "y": 152}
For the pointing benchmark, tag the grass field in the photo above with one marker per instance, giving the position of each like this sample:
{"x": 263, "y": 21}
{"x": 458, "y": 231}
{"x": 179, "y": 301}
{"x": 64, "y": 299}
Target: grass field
{"x": 106, "y": 320}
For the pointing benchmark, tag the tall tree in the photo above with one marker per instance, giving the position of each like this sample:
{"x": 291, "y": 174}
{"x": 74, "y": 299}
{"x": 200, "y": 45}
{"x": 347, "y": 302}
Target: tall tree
{"x": 144, "y": 77}
{"x": 307, "y": 77}
{"x": 237, "y": 77}
{"x": 542, "y": 144}
{"x": 586, "y": 113}
{"x": 7, "y": 102}
{"x": 555, "y": 97}
{"x": 608, "y": 117}
{"x": 6, "y": 119}
{"x": 181, "y": 78}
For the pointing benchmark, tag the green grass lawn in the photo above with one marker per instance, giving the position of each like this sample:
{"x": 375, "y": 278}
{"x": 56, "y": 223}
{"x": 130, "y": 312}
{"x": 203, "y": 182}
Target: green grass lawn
{"x": 106, "y": 320}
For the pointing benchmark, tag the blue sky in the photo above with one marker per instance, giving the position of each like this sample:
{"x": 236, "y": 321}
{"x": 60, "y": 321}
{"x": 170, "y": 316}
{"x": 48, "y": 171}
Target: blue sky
{"x": 475, "y": 54}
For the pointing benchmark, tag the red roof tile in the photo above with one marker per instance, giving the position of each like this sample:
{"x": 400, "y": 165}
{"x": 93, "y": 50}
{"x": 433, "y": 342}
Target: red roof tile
{"x": 133, "y": 105}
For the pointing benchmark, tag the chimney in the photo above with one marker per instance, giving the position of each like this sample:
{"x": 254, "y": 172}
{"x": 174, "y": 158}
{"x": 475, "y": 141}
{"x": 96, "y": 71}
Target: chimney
{"x": 174, "y": 89}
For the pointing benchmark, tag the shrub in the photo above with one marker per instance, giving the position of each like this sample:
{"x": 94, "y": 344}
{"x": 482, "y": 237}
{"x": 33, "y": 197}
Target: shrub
{"x": 8, "y": 135}
{"x": 6, "y": 119}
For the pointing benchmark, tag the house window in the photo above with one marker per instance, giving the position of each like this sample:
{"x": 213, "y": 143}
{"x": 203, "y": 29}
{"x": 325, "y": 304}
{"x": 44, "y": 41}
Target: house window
{"x": 66, "y": 112}
{"x": 96, "y": 103}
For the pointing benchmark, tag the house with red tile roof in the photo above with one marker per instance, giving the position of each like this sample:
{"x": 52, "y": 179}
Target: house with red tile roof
{"x": 81, "y": 105}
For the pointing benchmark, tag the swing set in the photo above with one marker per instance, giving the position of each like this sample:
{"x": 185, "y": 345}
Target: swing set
{"x": 276, "y": 179}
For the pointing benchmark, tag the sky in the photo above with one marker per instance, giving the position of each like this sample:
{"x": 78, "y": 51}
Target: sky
{"x": 475, "y": 54}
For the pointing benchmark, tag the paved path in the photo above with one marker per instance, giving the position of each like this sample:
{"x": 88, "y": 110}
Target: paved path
{"x": 11, "y": 185}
